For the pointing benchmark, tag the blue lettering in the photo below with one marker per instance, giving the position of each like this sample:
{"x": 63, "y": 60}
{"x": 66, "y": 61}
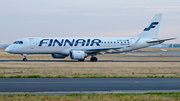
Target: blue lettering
{"x": 151, "y": 26}
{"x": 96, "y": 41}
{"x": 82, "y": 41}
{"x": 59, "y": 43}
{"x": 88, "y": 42}
{"x": 70, "y": 43}
{"x": 50, "y": 42}
{"x": 41, "y": 42}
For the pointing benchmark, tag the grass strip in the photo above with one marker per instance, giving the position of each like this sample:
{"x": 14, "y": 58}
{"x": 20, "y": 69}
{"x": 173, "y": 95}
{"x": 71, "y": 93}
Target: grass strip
{"x": 175, "y": 96}
{"x": 83, "y": 76}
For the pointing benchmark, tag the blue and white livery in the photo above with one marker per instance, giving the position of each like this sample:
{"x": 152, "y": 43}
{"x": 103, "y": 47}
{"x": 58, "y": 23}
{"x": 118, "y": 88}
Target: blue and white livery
{"x": 82, "y": 47}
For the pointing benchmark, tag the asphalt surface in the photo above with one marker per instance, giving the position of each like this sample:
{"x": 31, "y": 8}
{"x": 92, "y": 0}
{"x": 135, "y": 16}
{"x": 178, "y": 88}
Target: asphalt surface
{"x": 88, "y": 84}
{"x": 90, "y": 61}
{"x": 164, "y": 53}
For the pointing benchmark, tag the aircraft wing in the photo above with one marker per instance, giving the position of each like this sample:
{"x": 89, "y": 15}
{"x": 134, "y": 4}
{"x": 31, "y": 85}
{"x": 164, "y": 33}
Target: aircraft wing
{"x": 160, "y": 41}
{"x": 102, "y": 49}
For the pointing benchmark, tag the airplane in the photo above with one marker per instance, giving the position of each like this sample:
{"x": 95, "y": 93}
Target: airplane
{"x": 80, "y": 48}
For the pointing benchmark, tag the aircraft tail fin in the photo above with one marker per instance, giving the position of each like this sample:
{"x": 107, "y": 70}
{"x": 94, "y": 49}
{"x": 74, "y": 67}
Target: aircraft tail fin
{"x": 152, "y": 29}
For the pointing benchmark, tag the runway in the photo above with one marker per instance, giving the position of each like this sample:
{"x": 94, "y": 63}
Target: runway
{"x": 90, "y": 61}
{"x": 88, "y": 85}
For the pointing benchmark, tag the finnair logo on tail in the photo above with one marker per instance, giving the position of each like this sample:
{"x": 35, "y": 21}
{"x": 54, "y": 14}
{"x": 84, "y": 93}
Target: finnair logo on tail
{"x": 151, "y": 26}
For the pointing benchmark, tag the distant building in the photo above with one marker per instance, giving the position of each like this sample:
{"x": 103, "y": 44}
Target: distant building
{"x": 165, "y": 45}
{"x": 159, "y": 45}
{"x": 4, "y": 46}
{"x": 176, "y": 45}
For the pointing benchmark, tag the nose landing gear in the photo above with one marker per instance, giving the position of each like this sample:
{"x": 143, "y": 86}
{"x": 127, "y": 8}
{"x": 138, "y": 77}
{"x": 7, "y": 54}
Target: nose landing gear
{"x": 24, "y": 59}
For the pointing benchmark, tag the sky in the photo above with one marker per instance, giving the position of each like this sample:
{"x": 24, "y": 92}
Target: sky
{"x": 86, "y": 18}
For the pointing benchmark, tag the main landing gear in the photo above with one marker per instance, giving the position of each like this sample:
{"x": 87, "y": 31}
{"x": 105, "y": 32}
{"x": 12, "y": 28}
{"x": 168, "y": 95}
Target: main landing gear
{"x": 24, "y": 59}
{"x": 93, "y": 59}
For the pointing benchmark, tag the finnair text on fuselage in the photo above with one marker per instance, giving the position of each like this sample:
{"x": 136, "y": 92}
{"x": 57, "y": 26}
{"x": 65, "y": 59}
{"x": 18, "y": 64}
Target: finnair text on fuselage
{"x": 63, "y": 42}
{"x": 73, "y": 42}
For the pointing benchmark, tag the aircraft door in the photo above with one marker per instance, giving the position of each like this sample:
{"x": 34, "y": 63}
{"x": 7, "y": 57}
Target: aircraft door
{"x": 32, "y": 43}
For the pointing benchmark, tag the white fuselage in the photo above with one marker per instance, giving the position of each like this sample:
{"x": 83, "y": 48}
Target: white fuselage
{"x": 65, "y": 45}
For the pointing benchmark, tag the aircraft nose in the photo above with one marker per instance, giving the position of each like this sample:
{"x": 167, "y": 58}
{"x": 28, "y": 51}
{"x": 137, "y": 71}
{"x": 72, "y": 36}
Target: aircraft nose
{"x": 8, "y": 49}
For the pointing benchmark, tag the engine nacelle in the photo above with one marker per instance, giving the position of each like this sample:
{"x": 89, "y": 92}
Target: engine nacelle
{"x": 77, "y": 54}
{"x": 58, "y": 56}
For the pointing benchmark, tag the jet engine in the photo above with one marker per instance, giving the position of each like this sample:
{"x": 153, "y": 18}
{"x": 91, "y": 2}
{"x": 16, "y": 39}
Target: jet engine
{"x": 58, "y": 56}
{"x": 77, "y": 54}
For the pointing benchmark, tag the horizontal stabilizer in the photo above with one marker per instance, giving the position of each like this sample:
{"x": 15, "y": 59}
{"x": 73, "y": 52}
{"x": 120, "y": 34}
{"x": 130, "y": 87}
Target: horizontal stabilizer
{"x": 160, "y": 41}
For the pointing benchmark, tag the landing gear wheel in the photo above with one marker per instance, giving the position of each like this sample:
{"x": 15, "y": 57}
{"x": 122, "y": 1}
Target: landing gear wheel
{"x": 24, "y": 59}
{"x": 93, "y": 59}
{"x": 81, "y": 59}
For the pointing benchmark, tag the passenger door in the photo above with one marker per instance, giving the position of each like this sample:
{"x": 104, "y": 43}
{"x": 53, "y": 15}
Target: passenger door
{"x": 32, "y": 43}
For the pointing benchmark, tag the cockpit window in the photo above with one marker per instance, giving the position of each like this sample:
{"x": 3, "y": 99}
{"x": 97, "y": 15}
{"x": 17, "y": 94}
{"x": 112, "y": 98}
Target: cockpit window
{"x": 18, "y": 42}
